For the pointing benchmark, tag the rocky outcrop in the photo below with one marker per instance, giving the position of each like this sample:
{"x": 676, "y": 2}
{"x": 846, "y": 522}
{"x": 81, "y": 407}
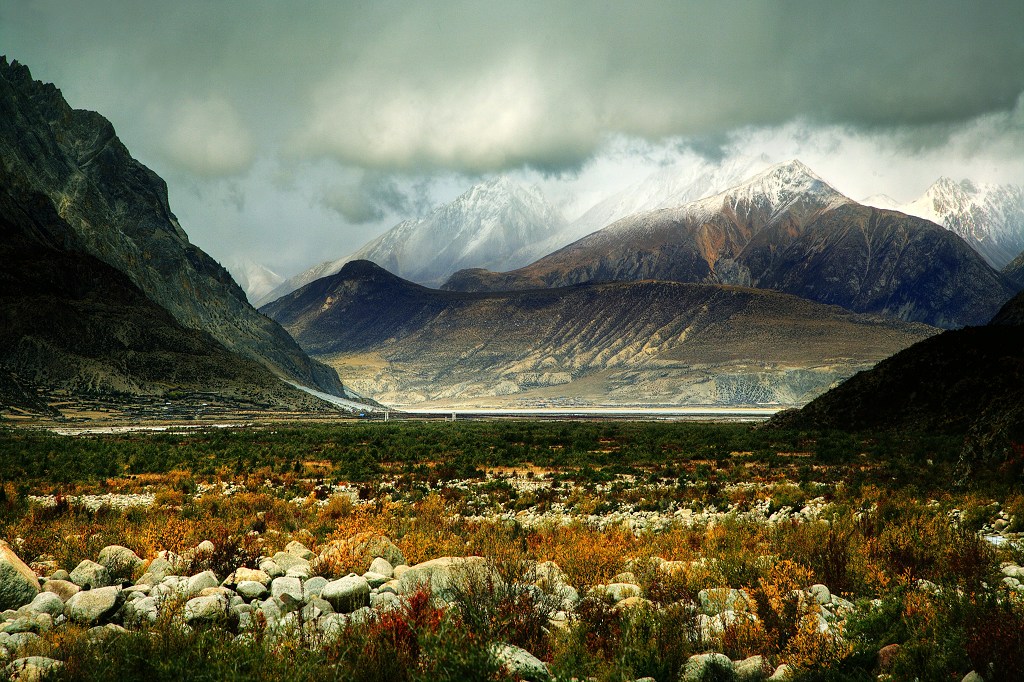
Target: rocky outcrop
{"x": 115, "y": 209}
{"x": 625, "y": 343}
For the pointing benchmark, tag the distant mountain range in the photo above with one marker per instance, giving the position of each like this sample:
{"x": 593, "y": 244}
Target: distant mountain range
{"x": 73, "y": 193}
{"x": 785, "y": 230}
{"x": 618, "y": 343}
{"x": 989, "y": 217}
{"x": 496, "y": 224}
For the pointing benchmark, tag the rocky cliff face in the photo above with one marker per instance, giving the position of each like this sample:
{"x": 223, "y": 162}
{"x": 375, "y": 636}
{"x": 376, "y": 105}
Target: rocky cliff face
{"x": 116, "y": 210}
{"x": 788, "y": 231}
{"x": 619, "y": 343}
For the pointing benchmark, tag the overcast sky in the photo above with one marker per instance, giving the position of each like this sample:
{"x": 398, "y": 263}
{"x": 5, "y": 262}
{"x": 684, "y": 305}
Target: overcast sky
{"x": 293, "y": 132}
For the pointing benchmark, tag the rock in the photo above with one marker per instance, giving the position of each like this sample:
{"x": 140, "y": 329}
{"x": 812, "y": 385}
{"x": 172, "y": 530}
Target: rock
{"x": 19, "y": 642}
{"x": 751, "y": 669}
{"x": 18, "y": 584}
{"x": 382, "y": 566}
{"x": 102, "y": 633}
{"x": 313, "y": 587}
{"x": 142, "y": 611}
{"x": 247, "y": 574}
{"x": 717, "y": 600}
{"x": 444, "y": 576}
{"x": 783, "y": 673}
{"x": 288, "y": 562}
{"x": 384, "y": 601}
{"x": 887, "y": 656}
{"x": 616, "y": 592}
{"x": 821, "y": 594}
{"x": 625, "y": 577}
{"x": 64, "y": 589}
{"x": 270, "y": 567}
{"x": 375, "y": 579}
{"x": 32, "y": 668}
{"x": 200, "y": 582}
{"x": 707, "y": 667}
{"x": 205, "y": 548}
{"x": 520, "y": 662}
{"x": 400, "y": 570}
{"x": 973, "y": 676}
{"x": 347, "y": 594}
{"x": 90, "y": 574}
{"x": 251, "y": 589}
{"x": 358, "y": 552}
{"x": 21, "y": 624}
{"x": 47, "y": 602}
{"x": 119, "y": 561}
{"x": 286, "y": 585}
{"x": 271, "y": 610}
{"x": 206, "y": 610}
{"x": 633, "y": 603}
{"x": 299, "y": 550}
{"x": 315, "y": 609}
{"x": 92, "y": 607}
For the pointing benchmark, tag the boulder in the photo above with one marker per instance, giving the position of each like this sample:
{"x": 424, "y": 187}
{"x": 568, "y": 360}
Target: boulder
{"x": 821, "y": 594}
{"x": 90, "y": 574}
{"x": 520, "y": 662}
{"x": 92, "y": 607}
{"x": 47, "y": 602}
{"x": 288, "y": 562}
{"x": 270, "y": 567}
{"x": 243, "y": 574}
{"x": 783, "y": 673}
{"x": 313, "y": 587}
{"x": 206, "y": 610}
{"x": 119, "y": 561}
{"x": 251, "y": 589}
{"x": 375, "y": 579}
{"x": 142, "y": 611}
{"x": 200, "y": 582}
{"x": 717, "y": 600}
{"x": 347, "y": 594}
{"x": 18, "y": 584}
{"x": 444, "y": 576}
{"x": 752, "y": 669}
{"x": 286, "y": 585}
{"x": 973, "y": 676}
{"x": 357, "y": 553}
{"x": 707, "y": 666}
{"x": 299, "y": 550}
{"x": 32, "y": 668}
{"x": 381, "y": 566}
{"x": 64, "y": 589}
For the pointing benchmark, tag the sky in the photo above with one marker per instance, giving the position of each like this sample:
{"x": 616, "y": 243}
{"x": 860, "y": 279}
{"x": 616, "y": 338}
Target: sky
{"x": 291, "y": 133}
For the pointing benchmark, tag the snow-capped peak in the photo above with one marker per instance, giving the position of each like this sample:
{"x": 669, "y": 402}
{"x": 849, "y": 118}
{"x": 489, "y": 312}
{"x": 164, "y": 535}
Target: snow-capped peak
{"x": 256, "y": 279}
{"x": 774, "y": 189}
{"x": 989, "y": 217}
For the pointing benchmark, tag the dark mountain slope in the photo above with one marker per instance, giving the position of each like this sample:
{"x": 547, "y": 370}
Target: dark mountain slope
{"x": 633, "y": 342}
{"x": 967, "y": 381}
{"x": 72, "y": 325}
{"x": 116, "y": 210}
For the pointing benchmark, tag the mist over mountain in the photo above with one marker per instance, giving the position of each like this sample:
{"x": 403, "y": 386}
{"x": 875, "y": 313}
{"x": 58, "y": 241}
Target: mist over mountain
{"x": 110, "y": 207}
{"x": 786, "y": 230}
{"x": 617, "y": 343}
{"x": 496, "y": 224}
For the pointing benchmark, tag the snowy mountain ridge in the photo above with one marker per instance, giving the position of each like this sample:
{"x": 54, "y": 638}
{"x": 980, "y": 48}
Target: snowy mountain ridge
{"x": 256, "y": 279}
{"x": 497, "y": 224}
{"x": 989, "y": 217}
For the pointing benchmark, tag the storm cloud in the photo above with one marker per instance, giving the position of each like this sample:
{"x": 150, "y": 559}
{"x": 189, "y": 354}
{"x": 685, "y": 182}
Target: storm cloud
{"x": 205, "y": 90}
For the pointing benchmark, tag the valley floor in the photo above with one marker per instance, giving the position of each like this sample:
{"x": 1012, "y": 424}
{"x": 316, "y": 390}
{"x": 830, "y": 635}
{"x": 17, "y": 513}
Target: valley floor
{"x": 506, "y": 549}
